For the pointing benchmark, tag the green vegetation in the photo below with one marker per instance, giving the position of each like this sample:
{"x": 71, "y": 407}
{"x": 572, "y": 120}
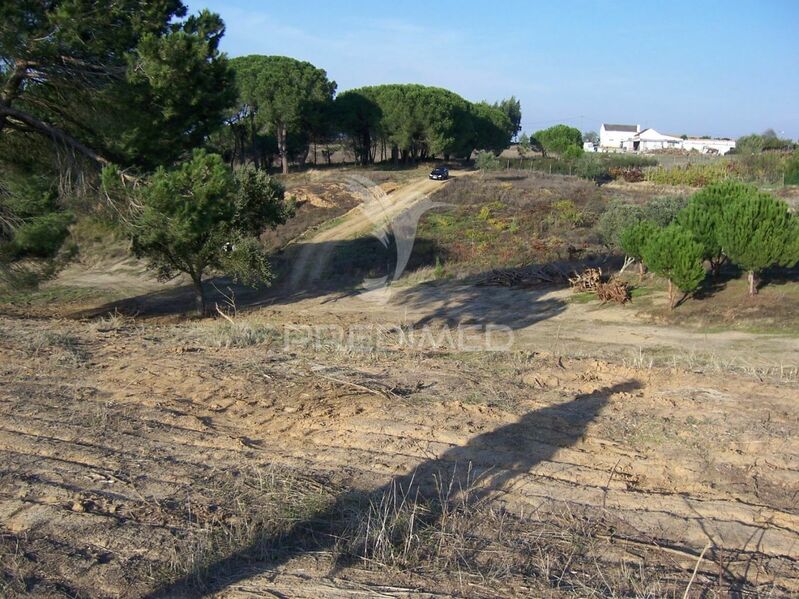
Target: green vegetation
{"x": 756, "y": 231}
{"x": 136, "y": 88}
{"x": 487, "y": 161}
{"x": 673, "y": 253}
{"x": 513, "y": 110}
{"x": 768, "y": 140}
{"x": 563, "y": 140}
{"x": 633, "y": 239}
{"x": 199, "y": 216}
{"x": 725, "y": 221}
{"x": 701, "y": 218}
{"x": 415, "y": 122}
{"x": 280, "y": 95}
{"x": 621, "y": 215}
{"x": 691, "y": 175}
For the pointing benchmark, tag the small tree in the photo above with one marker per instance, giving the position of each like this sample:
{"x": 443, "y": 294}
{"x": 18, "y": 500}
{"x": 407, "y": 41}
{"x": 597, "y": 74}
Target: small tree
{"x": 701, "y": 218}
{"x": 558, "y": 139}
{"x": 487, "y": 161}
{"x": 200, "y": 217}
{"x": 756, "y": 230}
{"x": 634, "y": 238}
{"x": 674, "y": 254}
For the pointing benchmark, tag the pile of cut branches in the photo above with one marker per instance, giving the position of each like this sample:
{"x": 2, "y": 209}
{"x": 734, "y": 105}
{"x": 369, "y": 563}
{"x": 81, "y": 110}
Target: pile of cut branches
{"x": 588, "y": 280}
{"x": 591, "y": 280}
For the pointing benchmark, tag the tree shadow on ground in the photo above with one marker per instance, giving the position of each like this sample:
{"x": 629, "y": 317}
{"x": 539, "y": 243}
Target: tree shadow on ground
{"x": 340, "y": 268}
{"x": 497, "y": 458}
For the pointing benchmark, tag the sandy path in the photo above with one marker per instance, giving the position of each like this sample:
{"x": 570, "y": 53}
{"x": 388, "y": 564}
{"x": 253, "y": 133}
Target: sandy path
{"x": 377, "y": 210}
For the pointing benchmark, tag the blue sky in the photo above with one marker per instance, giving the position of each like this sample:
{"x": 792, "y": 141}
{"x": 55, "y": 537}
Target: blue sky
{"x": 702, "y": 67}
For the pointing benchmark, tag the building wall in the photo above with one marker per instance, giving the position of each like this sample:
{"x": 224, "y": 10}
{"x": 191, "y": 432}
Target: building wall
{"x": 722, "y": 146}
{"x": 613, "y": 139}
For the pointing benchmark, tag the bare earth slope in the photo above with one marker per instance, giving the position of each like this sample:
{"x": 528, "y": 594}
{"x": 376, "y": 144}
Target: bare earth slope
{"x": 598, "y": 455}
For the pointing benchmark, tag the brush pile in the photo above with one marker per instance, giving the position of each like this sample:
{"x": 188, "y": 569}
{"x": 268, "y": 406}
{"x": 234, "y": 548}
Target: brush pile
{"x": 591, "y": 280}
{"x": 588, "y": 280}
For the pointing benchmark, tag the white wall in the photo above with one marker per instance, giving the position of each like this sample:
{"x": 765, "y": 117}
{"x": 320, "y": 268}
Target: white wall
{"x": 613, "y": 139}
{"x": 722, "y": 146}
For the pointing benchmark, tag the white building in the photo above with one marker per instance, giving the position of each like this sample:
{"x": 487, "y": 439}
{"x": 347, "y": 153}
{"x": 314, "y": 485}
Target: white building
{"x": 613, "y": 136}
{"x": 708, "y": 146}
{"x": 630, "y": 138}
{"x": 649, "y": 140}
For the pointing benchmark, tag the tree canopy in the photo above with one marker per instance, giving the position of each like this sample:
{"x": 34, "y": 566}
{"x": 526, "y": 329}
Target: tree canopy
{"x": 416, "y": 122}
{"x": 282, "y": 95}
{"x": 67, "y": 69}
{"x": 673, "y": 253}
{"x": 757, "y": 230}
{"x": 559, "y": 139}
{"x": 513, "y": 110}
{"x": 200, "y": 216}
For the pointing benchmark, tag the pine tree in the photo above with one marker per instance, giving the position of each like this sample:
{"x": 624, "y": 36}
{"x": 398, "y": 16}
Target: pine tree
{"x": 756, "y": 231}
{"x": 701, "y": 217}
{"x": 634, "y": 238}
{"x": 673, "y": 253}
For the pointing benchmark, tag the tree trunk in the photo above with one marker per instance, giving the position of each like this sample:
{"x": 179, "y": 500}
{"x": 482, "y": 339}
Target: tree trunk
{"x": 641, "y": 270}
{"x": 752, "y": 283}
{"x": 281, "y": 146}
{"x": 199, "y": 295}
{"x": 671, "y": 295}
{"x": 716, "y": 264}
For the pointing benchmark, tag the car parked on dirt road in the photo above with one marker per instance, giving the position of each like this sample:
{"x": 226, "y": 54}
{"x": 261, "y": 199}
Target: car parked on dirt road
{"x": 440, "y": 173}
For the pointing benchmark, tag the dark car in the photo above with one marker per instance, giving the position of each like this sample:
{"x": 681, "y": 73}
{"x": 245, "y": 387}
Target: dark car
{"x": 440, "y": 174}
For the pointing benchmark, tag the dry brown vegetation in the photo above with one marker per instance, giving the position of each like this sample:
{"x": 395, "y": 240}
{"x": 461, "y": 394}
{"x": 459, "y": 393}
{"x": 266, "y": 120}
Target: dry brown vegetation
{"x": 600, "y": 455}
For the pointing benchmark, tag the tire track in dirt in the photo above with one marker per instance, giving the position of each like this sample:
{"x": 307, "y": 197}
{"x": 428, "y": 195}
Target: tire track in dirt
{"x": 376, "y": 210}
{"x": 98, "y": 467}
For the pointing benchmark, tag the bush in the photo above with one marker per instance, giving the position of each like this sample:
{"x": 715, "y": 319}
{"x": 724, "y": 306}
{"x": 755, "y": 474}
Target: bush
{"x": 634, "y": 238}
{"x": 791, "y": 169}
{"x": 701, "y": 217}
{"x": 564, "y": 212}
{"x": 620, "y": 216}
{"x": 43, "y": 235}
{"x": 692, "y": 175}
{"x": 756, "y": 231}
{"x": 674, "y": 254}
{"x": 486, "y": 161}
{"x": 603, "y": 167}
{"x": 663, "y": 210}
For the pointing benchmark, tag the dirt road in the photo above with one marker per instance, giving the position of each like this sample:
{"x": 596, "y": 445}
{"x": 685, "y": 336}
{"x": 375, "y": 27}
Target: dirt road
{"x": 373, "y": 216}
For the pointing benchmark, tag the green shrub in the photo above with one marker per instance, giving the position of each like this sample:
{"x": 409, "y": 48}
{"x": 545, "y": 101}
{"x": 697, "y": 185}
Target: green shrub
{"x": 634, "y": 238}
{"x": 662, "y": 210}
{"x": 564, "y": 212}
{"x": 791, "y": 169}
{"x": 43, "y": 235}
{"x": 486, "y": 161}
{"x": 691, "y": 175}
{"x": 618, "y": 217}
{"x": 756, "y": 231}
{"x": 701, "y": 217}
{"x": 674, "y": 254}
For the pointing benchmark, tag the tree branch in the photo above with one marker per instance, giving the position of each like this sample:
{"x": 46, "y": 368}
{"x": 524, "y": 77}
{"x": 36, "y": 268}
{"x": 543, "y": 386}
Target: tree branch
{"x": 52, "y": 132}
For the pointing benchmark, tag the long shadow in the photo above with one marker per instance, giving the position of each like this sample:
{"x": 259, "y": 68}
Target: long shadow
{"x": 344, "y": 267}
{"x": 498, "y": 457}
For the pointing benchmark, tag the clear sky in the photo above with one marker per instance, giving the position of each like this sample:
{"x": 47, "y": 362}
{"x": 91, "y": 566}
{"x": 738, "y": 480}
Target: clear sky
{"x": 701, "y": 67}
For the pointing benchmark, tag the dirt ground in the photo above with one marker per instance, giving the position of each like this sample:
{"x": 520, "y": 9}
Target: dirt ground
{"x": 334, "y": 445}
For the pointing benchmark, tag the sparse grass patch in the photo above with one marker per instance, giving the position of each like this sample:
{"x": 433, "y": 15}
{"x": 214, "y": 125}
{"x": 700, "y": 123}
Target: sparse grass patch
{"x": 240, "y": 333}
{"x": 37, "y": 298}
